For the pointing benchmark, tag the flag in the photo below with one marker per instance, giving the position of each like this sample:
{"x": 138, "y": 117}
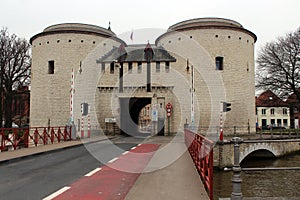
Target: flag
{"x": 131, "y": 36}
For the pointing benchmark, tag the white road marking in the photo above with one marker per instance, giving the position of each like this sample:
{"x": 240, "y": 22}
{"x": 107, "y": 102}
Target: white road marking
{"x": 133, "y": 148}
{"x": 55, "y": 194}
{"x": 139, "y": 145}
{"x": 126, "y": 152}
{"x": 93, "y": 172}
{"x": 113, "y": 160}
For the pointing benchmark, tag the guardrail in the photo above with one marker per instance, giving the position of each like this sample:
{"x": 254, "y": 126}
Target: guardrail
{"x": 15, "y": 138}
{"x": 201, "y": 150}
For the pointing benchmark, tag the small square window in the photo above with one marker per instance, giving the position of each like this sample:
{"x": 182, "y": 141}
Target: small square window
{"x": 51, "y": 67}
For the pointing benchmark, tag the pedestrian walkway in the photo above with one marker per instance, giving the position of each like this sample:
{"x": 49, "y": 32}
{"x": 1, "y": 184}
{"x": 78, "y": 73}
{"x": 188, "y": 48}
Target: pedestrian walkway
{"x": 170, "y": 174}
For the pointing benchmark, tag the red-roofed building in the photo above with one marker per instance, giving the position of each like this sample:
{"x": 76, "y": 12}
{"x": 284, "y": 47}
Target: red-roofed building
{"x": 294, "y": 110}
{"x": 272, "y": 111}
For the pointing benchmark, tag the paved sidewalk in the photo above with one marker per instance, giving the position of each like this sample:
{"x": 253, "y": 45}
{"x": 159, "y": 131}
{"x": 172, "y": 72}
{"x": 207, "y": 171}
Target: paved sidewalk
{"x": 170, "y": 174}
{"x": 24, "y": 152}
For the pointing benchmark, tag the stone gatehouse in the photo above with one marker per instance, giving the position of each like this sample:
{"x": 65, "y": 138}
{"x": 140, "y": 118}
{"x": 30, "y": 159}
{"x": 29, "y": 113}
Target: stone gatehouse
{"x": 194, "y": 65}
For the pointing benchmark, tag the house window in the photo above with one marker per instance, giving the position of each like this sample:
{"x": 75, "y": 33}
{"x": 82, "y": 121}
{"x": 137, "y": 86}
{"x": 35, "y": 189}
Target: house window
{"x": 130, "y": 67}
{"x": 279, "y": 122}
{"x": 219, "y": 63}
{"x": 273, "y": 122}
{"x": 112, "y": 68}
{"x": 263, "y": 111}
{"x": 167, "y": 67}
{"x": 263, "y": 122}
{"x": 51, "y": 67}
{"x": 157, "y": 67}
{"x": 139, "y": 67}
{"x": 102, "y": 67}
{"x": 285, "y": 122}
{"x": 284, "y": 111}
{"x": 272, "y": 111}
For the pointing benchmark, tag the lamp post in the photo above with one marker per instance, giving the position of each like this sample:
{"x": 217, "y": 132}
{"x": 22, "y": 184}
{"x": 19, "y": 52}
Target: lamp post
{"x": 236, "y": 178}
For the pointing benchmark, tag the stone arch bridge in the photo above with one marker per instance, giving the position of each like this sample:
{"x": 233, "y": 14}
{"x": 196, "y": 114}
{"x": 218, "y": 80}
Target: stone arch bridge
{"x": 224, "y": 152}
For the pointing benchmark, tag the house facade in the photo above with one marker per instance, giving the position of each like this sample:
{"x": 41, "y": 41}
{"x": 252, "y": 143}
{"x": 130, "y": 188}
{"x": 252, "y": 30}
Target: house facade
{"x": 271, "y": 111}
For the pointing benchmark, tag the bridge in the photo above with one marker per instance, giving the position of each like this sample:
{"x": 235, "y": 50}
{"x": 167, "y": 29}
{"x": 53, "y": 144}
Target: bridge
{"x": 255, "y": 146}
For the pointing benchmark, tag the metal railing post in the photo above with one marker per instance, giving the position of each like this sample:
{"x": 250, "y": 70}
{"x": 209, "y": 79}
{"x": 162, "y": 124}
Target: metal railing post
{"x": 236, "y": 178}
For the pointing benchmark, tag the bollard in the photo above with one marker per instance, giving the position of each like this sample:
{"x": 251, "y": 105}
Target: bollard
{"x": 236, "y": 178}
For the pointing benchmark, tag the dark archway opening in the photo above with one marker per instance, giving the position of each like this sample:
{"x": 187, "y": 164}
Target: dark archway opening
{"x": 259, "y": 158}
{"x": 130, "y": 109}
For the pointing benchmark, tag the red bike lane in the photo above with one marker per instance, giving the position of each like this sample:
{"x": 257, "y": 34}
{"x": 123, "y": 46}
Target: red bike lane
{"x": 114, "y": 180}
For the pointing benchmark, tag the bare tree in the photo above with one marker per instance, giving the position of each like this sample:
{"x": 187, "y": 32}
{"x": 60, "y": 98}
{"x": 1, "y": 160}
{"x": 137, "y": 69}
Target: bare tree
{"x": 278, "y": 66}
{"x": 15, "y": 65}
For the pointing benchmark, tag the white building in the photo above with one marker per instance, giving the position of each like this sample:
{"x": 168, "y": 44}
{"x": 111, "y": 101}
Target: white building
{"x": 272, "y": 111}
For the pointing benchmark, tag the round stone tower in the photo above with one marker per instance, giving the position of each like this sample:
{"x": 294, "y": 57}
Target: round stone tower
{"x": 55, "y": 52}
{"x": 231, "y": 50}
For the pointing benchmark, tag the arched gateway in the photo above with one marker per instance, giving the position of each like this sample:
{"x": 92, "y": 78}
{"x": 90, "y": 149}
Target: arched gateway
{"x": 194, "y": 65}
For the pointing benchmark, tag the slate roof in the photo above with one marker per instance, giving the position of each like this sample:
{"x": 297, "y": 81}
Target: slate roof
{"x": 269, "y": 99}
{"x": 135, "y": 53}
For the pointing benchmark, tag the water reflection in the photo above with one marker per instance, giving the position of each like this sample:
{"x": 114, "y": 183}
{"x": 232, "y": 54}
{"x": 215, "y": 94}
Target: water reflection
{"x": 283, "y": 183}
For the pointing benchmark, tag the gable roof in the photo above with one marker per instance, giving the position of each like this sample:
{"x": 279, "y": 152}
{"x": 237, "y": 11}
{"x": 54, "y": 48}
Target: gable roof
{"x": 269, "y": 99}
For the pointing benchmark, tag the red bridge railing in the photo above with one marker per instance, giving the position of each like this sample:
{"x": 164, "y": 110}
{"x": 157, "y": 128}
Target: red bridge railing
{"x": 201, "y": 150}
{"x": 14, "y": 138}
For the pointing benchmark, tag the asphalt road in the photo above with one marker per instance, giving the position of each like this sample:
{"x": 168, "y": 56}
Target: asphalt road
{"x": 38, "y": 176}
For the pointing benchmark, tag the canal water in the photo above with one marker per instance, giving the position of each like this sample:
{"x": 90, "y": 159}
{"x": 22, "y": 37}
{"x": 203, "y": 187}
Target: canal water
{"x": 279, "y": 183}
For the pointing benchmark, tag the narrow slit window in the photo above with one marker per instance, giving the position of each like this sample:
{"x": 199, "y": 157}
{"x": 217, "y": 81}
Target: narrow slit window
{"x": 139, "y": 67}
{"x": 167, "y": 67}
{"x": 51, "y": 67}
{"x": 157, "y": 67}
{"x": 103, "y": 67}
{"x": 219, "y": 63}
{"x": 130, "y": 67}
{"x": 112, "y": 68}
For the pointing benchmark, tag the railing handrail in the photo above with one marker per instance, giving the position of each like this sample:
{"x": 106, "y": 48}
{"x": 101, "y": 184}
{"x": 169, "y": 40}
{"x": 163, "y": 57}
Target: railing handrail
{"x": 201, "y": 150}
{"x": 20, "y": 137}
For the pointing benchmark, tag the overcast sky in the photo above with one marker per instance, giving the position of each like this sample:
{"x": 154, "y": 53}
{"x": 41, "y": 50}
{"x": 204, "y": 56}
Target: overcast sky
{"x": 268, "y": 19}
